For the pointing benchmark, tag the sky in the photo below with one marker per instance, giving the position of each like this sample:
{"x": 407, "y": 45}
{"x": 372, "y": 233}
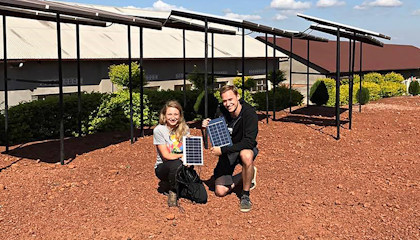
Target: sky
{"x": 399, "y": 19}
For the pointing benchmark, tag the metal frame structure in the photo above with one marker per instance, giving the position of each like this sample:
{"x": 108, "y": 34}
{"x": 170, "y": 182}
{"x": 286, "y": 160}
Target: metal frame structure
{"x": 178, "y": 23}
{"x": 85, "y": 16}
{"x": 296, "y": 35}
{"x": 241, "y": 24}
{"x": 353, "y": 34}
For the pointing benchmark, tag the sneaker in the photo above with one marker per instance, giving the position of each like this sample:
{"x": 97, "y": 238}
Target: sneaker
{"x": 245, "y": 204}
{"x": 172, "y": 199}
{"x": 254, "y": 180}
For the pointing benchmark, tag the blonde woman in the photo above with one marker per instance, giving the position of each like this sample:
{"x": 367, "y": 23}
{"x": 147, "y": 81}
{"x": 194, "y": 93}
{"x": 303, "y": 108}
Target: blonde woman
{"x": 167, "y": 136}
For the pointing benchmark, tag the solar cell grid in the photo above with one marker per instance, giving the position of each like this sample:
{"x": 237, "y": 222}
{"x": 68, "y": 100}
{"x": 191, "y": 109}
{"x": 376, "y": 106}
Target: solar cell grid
{"x": 219, "y": 133}
{"x": 193, "y": 150}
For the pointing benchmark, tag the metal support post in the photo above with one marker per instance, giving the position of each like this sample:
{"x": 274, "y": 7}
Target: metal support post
{"x": 60, "y": 87}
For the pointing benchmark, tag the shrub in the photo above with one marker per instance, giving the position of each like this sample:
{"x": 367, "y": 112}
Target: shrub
{"x": 280, "y": 77}
{"x": 364, "y": 96}
{"x": 392, "y": 89}
{"x": 118, "y": 75}
{"x": 393, "y": 77}
{"x": 114, "y": 112}
{"x": 197, "y": 79}
{"x": 374, "y": 90}
{"x": 158, "y": 98}
{"x": 39, "y": 119}
{"x": 199, "y": 106}
{"x": 249, "y": 82}
{"x": 344, "y": 96}
{"x": 373, "y": 77}
{"x": 414, "y": 88}
{"x": 282, "y": 99}
{"x": 319, "y": 94}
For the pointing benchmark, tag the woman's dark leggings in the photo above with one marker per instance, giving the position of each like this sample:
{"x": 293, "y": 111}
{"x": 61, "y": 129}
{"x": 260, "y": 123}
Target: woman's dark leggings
{"x": 166, "y": 172}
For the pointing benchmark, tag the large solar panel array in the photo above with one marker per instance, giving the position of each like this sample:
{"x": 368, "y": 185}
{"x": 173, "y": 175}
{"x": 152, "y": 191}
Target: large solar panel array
{"x": 193, "y": 150}
{"x": 219, "y": 133}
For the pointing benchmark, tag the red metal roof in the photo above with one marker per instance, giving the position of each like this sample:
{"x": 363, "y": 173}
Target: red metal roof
{"x": 391, "y": 57}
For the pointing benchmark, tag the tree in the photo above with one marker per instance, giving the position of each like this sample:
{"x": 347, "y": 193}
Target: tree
{"x": 197, "y": 79}
{"x": 320, "y": 95}
{"x": 119, "y": 75}
{"x": 280, "y": 77}
{"x": 249, "y": 82}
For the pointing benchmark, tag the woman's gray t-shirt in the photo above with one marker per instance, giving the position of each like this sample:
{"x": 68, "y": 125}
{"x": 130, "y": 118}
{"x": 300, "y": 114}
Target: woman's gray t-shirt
{"x": 162, "y": 135}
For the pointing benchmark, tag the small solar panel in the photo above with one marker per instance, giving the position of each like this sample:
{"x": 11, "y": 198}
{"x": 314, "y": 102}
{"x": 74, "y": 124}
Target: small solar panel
{"x": 193, "y": 150}
{"x": 219, "y": 133}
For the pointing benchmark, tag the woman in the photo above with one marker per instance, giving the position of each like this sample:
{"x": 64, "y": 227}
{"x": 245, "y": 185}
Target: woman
{"x": 167, "y": 136}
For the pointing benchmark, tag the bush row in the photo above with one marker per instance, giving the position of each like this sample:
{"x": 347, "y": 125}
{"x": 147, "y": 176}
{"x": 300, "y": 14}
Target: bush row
{"x": 282, "y": 99}
{"x": 39, "y": 119}
{"x": 378, "y": 86}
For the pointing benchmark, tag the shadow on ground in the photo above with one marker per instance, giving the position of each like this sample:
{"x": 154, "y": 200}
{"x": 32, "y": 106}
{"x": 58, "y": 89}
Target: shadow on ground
{"x": 321, "y": 111}
{"x": 314, "y": 115}
{"x": 48, "y": 151}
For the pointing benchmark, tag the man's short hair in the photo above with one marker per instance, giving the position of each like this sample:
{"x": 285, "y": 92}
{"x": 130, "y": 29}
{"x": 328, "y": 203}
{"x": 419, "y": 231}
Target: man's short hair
{"x": 226, "y": 88}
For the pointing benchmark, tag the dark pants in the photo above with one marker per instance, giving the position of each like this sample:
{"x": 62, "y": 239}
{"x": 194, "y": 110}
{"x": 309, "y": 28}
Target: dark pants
{"x": 225, "y": 167}
{"x": 166, "y": 172}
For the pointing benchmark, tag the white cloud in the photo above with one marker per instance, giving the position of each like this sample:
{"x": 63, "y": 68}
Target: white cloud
{"x": 280, "y": 17}
{"x": 162, "y": 6}
{"x": 379, "y": 3}
{"x": 386, "y": 3}
{"x": 242, "y": 17}
{"x": 289, "y": 4}
{"x": 329, "y": 3}
{"x": 416, "y": 12}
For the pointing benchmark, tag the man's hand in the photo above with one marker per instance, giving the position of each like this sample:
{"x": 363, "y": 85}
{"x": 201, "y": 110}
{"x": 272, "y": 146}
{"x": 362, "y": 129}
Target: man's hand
{"x": 205, "y": 122}
{"x": 217, "y": 151}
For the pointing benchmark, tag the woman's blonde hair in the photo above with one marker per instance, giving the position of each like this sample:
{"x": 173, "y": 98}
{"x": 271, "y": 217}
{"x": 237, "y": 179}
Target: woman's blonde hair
{"x": 181, "y": 128}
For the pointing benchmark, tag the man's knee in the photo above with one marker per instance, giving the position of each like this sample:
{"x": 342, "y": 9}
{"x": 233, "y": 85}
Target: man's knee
{"x": 221, "y": 191}
{"x": 247, "y": 157}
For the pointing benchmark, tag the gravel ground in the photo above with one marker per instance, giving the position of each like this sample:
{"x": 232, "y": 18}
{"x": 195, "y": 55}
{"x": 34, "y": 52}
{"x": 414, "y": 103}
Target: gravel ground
{"x": 310, "y": 185}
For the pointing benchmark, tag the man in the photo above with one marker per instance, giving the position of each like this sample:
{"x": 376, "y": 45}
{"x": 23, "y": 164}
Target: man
{"x": 243, "y": 126}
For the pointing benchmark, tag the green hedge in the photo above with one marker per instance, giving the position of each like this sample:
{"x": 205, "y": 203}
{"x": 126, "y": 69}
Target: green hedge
{"x": 391, "y": 89}
{"x": 373, "y": 77}
{"x": 114, "y": 113}
{"x": 393, "y": 77}
{"x": 377, "y": 86}
{"x": 39, "y": 120}
{"x": 282, "y": 98}
{"x": 158, "y": 98}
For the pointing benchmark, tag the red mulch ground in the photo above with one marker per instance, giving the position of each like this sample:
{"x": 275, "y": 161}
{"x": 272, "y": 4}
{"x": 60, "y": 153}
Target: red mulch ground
{"x": 310, "y": 186}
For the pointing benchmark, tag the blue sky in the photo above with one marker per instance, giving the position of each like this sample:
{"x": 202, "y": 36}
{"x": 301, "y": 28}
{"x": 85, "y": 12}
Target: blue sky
{"x": 399, "y": 19}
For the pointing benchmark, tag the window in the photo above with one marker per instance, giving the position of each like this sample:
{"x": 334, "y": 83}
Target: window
{"x": 218, "y": 85}
{"x": 181, "y": 87}
{"x": 260, "y": 86}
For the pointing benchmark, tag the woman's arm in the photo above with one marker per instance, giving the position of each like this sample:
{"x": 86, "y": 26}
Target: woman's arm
{"x": 166, "y": 154}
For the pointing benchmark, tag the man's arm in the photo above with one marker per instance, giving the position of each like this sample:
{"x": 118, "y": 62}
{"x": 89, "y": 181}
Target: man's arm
{"x": 250, "y": 123}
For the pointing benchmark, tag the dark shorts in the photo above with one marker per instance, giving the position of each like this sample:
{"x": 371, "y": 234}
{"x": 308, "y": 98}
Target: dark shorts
{"x": 224, "y": 169}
